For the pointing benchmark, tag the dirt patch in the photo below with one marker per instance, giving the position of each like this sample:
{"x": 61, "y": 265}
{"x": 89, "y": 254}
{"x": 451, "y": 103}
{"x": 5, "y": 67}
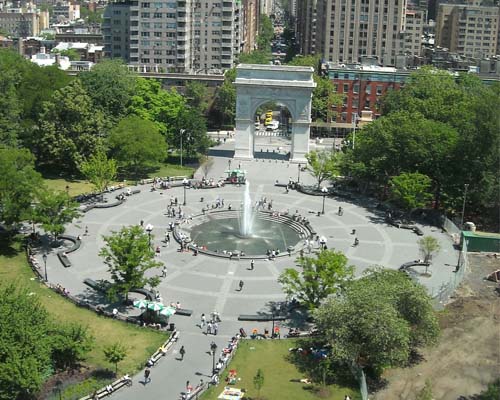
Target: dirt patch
{"x": 467, "y": 356}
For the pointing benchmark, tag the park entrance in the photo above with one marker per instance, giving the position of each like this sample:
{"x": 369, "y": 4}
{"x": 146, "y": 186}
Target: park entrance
{"x": 259, "y": 84}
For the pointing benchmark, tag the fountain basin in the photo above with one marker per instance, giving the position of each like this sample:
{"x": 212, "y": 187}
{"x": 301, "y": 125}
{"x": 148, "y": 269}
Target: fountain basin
{"x": 218, "y": 233}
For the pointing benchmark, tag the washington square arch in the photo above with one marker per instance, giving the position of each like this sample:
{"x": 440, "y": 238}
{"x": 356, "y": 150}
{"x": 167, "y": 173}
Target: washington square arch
{"x": 259, "y": 84}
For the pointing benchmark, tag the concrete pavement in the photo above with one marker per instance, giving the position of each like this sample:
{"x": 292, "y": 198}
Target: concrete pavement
{"x": 205, "y": 283}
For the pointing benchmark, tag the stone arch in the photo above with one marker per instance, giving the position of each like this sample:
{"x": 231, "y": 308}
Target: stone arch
{"x": 292, "y": 86}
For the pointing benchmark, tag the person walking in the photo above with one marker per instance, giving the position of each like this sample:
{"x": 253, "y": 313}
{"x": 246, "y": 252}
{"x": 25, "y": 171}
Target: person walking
{"x": 209, "y": 328}
{"x": 86, "y": 231}
{"x": 203, "y": 321}
{"x": 241, "y": 284}
{"x": 216, "y": 328}
{"x": 147, "y": 373}
{"x": 182, "y": 351}
{"x": 164, "y": 272}
{"x": 252, "y": 265}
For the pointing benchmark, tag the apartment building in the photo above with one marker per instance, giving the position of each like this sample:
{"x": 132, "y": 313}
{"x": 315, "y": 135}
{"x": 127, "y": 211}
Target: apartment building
{"x": 250, "y": 17}
{"x": 23, "y": 22}
{"x": 349, "y": 30}
{"x": 185, "y": 36}
{"x": 470, "y": 30}
{"x": 306, "y": 26}
{"x": 414, "y": 29}
{"x": 65, "y": 12}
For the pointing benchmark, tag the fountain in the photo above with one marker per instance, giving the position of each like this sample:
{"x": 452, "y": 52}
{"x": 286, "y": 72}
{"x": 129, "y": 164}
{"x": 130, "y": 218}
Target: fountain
{"x": 247, "y": 213}
{"x": 246, "y": 232}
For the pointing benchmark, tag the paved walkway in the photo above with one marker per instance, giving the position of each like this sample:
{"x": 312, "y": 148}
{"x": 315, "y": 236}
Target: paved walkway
{"x": 205, "y": 283}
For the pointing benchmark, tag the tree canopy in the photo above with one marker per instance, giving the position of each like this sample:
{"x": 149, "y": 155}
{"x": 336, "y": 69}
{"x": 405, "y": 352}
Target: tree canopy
{"x": 137, "y": 143}
{"x": 99, "y": 170}
{"x": 323, "y": 164}
{"x": 70, "y": 129}
{"x": 318, "y": 277}
{"x": 411, "y": 190}
{"x": 18, "y": 184}
{"x": 377, "y": 321}
{"x": 129, "y": 255}
{"x": 439, "y": 125}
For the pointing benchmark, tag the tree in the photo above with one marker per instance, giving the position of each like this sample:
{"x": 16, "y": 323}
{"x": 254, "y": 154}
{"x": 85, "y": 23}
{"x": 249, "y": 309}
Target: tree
{"x": 377, "y": 321}
{"x": 111, "y": 86}
{"x": 25, "y": 348}
{"x": 99, "y": 170}
{"x": 18, "y": 184}
{"x": 224, "y": 105}
{"x": 54, "y": 209}
{"x": 129, "y": 255}
{"x": 70, "y": 344}
{"x": 323, "y": 164}
{"x": 258, "y": 381}
{"x": 196, "y": 94}
{"x": 136, "y": 143}
{"x": 151, "y": 102}
{"x": 195, "y": 139}
{"x": 319, "y": 277}
{"x": 72, "y": 54}
{"x": 255, "y": 57}
{"x": 115, "y": 354}
{"x": 70, "y": 129}
{"x": 266, "y": 33}
{"x": 428, "y": 246}
{"x": 207, "y": 166}
{"x": 10, "y": 103}
{"x": 411, "y": 190}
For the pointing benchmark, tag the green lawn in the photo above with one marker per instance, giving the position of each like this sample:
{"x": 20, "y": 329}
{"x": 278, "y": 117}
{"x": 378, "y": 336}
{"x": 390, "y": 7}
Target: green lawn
{"x": 79, "y": 186}
{"x": 140, "y": 342}
{"x": 270, "y": 356}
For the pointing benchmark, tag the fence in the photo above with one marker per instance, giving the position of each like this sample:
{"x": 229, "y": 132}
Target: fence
{"x": 446, "y": 290}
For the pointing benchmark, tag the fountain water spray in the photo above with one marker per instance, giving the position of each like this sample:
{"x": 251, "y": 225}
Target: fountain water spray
{"x": 248, "y": 213}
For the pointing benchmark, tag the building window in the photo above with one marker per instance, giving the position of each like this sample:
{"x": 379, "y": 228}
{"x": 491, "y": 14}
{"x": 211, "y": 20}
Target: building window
{"x": 379, "y": 90}
{"x": 355, "y": 88}
{"x": 345, "y": 88}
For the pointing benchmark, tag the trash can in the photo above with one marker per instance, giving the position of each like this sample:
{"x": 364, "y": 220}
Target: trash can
{"x": 172, "y": 327}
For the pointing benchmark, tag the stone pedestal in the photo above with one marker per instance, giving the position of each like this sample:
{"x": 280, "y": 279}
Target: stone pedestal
{"x": 300, "y": 142}
{"x": 243, "y": 140}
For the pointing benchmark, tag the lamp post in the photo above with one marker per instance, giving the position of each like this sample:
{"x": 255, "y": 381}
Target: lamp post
{"x": 298, "y": 173}
{"x": 57, "y": 388}
{"x": 229, "y": 164}
{"x": 324, "y": 190}
{"x": 149, "y": 229}
{"x": 354, "y": 123}
{"x": 466, "y": 186}
{"x": 45, "y": 265}
{"x": 185, "y": 182}
{"x": 67, "y": 194}
{"x": 182, "y": 134}
{"x": 213, "y": 348}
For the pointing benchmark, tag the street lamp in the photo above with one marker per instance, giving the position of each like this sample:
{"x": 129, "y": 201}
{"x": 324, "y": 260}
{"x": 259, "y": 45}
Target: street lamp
{"x": 185, "y": 182}
{"x": 229, "y": 164}
{"x": 354, "y": 123}
{"x": 213, "y": 348}
{"x": 182, "y": 134}
{"x": 149, "y": 229}
{"x": 45, "y": 265}
{"x": 466, "y": 186}
{"x": 298, "y": 173}
{"x": 324, "y": 190}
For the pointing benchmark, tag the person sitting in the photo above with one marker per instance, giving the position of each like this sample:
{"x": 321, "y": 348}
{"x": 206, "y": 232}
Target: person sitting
{"x": 109, "y": 388}
{"x": 178, "y": 305}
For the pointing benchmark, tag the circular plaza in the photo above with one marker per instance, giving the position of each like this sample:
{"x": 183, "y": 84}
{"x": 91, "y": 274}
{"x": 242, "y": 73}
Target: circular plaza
{"x": 206, "y": 282}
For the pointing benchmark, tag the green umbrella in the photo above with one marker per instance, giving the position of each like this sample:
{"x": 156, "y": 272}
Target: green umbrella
{"x": 141, "y": 303}
{"x": 155, "y": 306}
{"x": 168, "y": 311}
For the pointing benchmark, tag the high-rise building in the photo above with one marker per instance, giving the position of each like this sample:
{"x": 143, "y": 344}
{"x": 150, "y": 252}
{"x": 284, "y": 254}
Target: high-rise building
{"x": 470, "y": 30}
{"x": 306, "y": 26}
{"x": 177, "y": 36}
{"x": 23, "y": 22}
{"x": 349, "y": 30}
{"x": 414, "y": 29}
{"x": 250, "y": 16}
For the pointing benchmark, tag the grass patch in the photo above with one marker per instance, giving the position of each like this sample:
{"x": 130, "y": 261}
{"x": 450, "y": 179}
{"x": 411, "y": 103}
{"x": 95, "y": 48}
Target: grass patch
{"x": 279, "y": 374}
{"x": 140, "y": 342}
{"x": 79, "y": 186}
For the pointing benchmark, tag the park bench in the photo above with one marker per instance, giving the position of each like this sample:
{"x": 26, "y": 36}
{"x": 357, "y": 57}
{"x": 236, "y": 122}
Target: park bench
{"x": 284, "y": 185}
{"x": 100, "y": 286}
{"x": 261, "y": 317}
{"x": 109, "y": 205}
{"x": 64, "y": 259}
{"x": 417, "y": 230}
{"x": 148, "y": 293}
{"x": 103, "y": 392}
{"x": 183, "y": 312}
{"x": 76, "y": 242}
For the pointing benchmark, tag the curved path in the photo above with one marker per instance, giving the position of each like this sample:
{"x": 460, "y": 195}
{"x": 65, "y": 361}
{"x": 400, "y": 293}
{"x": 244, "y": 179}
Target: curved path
{"x": 205, "y": 283}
